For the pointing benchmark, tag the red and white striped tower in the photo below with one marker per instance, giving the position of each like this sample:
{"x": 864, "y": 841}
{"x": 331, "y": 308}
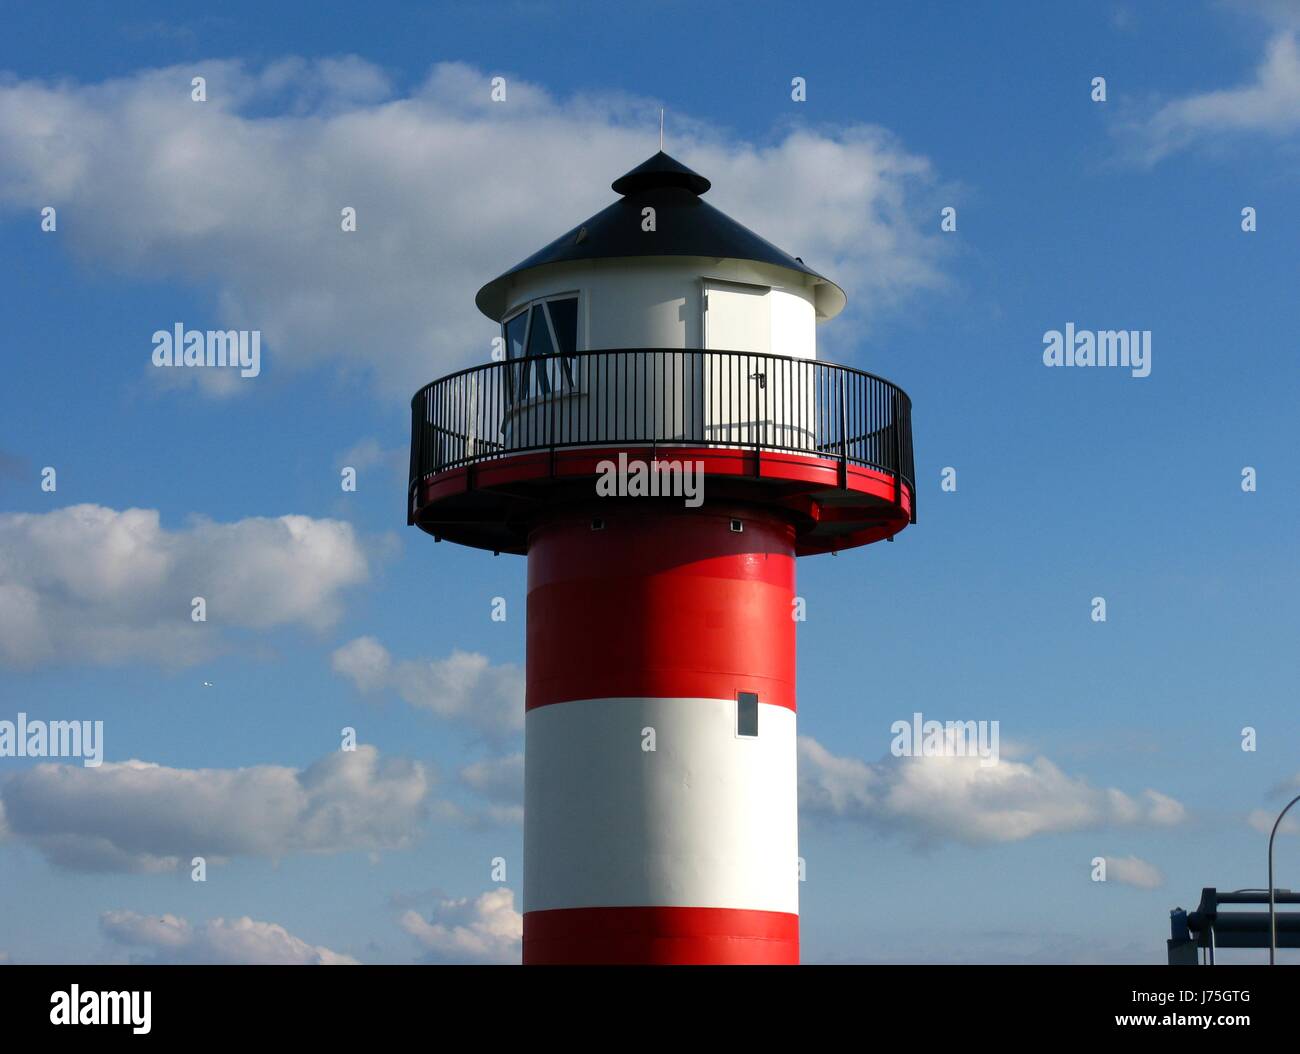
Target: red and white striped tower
{"x": 661, "y": 819}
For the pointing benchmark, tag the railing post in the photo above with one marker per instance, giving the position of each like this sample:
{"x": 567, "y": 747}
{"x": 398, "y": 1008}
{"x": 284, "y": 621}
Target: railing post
{"x": 416, "y": 460}
{"x": 844, "y": 433}
{"x": 898, "y": 451}
{"x": 551, "y": 436}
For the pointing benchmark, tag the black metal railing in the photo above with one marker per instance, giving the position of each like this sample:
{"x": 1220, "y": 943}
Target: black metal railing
{"x": 662, "y": 396}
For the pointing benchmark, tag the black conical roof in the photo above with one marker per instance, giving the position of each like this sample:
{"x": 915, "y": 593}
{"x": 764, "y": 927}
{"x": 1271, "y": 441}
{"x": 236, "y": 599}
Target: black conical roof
{"x": 660, "y": 171}
{"x": 684, "y": 226}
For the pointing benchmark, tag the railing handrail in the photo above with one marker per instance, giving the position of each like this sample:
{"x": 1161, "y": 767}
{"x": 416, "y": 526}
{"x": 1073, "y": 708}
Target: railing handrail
{"x": 550, "y": 356}
{"x": 638, "y": 394}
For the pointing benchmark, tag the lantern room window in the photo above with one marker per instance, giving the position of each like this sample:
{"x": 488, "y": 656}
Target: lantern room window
{"x": 547, "y": 327}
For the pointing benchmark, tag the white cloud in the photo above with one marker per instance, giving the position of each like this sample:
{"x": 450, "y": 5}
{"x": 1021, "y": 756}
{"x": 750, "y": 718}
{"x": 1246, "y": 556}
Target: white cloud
{"x": 1133, "y": 871}
{"x": 1287, "y": 786}
{"x": 141, "y": 817}
{"x": 92, "y": 584}
{"x": 957, "y": 799}
{"x": 365, "y": 662}
{"x": 465, "y": 686}
{"x": 241, "y": 195}
{"x": 1269, "y": 105}
{"x": 367, "y": 453}
{"x": 1261, "y": 820}
{"x": 241, "y": 941}
{"x": 501, "y": 781}
{"x": 1279, "y": 13}
{"x": 487, "y": 929}
{"x": 1264, "y": 819}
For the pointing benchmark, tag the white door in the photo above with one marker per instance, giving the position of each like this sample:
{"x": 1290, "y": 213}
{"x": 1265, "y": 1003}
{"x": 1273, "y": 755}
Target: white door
{"x": 736, "y": 318}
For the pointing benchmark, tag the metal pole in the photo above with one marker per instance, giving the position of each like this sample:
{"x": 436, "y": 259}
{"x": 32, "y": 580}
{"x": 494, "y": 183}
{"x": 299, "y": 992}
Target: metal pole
{"x": 1272, "y": 907}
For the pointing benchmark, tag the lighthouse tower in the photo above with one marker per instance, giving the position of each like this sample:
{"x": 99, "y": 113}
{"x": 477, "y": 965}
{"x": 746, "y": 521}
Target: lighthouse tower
{"x": 660, "y": 803}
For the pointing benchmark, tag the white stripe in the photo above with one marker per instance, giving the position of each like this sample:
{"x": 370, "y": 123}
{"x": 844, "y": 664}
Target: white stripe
{"x": 708, "y": 819}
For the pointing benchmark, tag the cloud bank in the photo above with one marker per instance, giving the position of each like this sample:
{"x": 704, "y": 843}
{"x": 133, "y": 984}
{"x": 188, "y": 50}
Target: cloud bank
{"x": 1268, "y": 105}
{"x": 140, "y": 817}
{"x": 486, "y": 929}
{"x": 235, "y": 942}
{"x": 242, "y": 195}
{"x": 933, "y": 799}
{"x": 92, "y": 584}
{"x": 465, "y": 686}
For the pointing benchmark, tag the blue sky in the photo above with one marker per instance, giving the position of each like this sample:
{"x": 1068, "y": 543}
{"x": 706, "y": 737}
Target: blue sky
{"x": 1072, "y": 483}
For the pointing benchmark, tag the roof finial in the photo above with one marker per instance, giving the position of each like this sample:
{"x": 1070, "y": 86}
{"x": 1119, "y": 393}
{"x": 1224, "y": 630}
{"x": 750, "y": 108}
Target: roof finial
{"x": 661, "y": 128}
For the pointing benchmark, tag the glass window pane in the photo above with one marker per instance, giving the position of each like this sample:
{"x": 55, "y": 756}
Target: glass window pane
{"x": 564, "y": 317}
{"x": 747, "y": 714}
{"x": 514, "y": 330}
{"x": 515, "y": 335}
{"x": 539, "y": 343}
{"x": 539, "y": 337}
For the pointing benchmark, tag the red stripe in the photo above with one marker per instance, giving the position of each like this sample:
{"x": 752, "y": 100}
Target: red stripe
{"x": 772, "y": 465}
{"x": 661, "y": 604}
{"x": 660, "y": 936}
{"x": 452, "y": 503}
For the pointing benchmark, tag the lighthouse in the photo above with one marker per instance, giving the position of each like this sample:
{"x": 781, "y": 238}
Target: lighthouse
{"x": 660, "y": 340}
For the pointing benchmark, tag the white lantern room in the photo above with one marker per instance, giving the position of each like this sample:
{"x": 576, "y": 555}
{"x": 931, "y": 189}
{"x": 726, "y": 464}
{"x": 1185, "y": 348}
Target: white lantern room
{"x": 660, "y": 270}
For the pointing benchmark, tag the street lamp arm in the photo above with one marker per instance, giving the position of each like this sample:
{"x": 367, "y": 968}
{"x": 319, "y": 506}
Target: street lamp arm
{"x": 1272, "y": 906}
